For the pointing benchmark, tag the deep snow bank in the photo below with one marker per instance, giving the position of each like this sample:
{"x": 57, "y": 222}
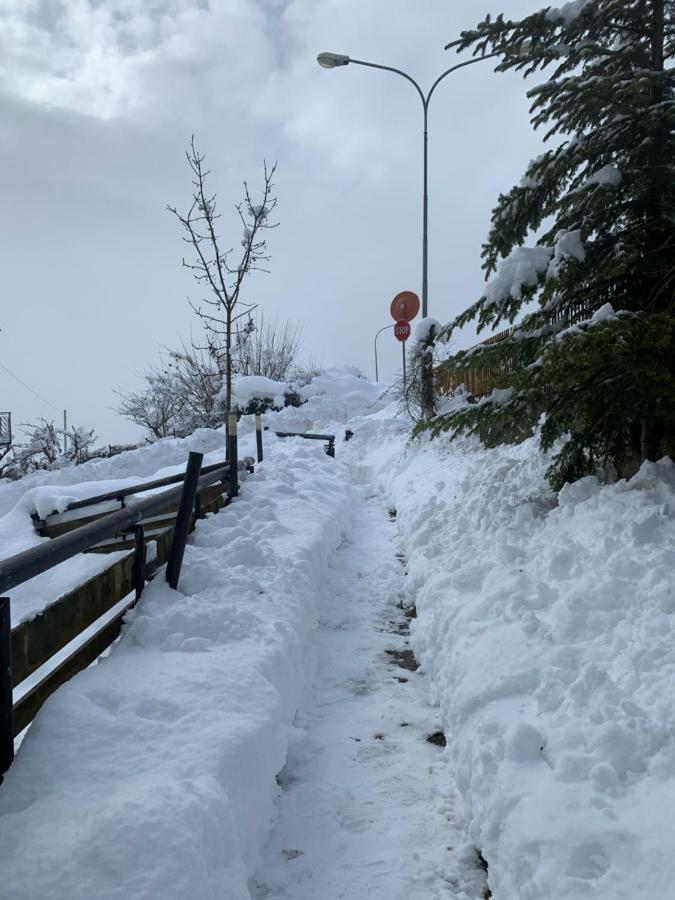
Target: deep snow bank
{"x": 152, "y": 774}
{"x": 547, "y": 627}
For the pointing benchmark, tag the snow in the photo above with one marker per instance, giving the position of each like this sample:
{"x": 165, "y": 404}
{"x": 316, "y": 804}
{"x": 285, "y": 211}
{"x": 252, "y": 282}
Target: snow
{"x": 525, "y": 266}
{"x": 256, "y": 387}
{"x": 229, "y": 747}
{"x": 568, "y": 245}
{"x": 521, "y": 269}
{"x": 547, "y": 631}
{"x": 365, "y": 808}
{"x": 158, "y": 764}
{"x": 425, "y": 328}
{"x": 604, "y": 314}
{"x": 607, "y": 175}
{"x": 567, "y": 12}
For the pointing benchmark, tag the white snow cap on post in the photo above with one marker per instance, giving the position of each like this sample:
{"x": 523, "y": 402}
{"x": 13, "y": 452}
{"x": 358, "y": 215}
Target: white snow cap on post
{"x": 424, "y": 328}
{"x": 256, "y": 387}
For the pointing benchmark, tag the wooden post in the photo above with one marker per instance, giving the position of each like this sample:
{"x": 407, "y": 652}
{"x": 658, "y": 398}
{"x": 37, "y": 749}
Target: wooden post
{"x": 184, "y": 518}
{"x": 232, "y": 455}
{"x": 139, "y": 559}
{"x": 6, "y": 702}
{"x": 259, "y": 436}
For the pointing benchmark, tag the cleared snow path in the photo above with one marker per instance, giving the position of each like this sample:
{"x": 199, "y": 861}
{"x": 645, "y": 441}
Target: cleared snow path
{"x": 366, "y": 804}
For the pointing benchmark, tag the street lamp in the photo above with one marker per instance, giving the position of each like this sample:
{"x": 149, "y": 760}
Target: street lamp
{"x": 334, "y": 61}
{"x": 386, "y": 328}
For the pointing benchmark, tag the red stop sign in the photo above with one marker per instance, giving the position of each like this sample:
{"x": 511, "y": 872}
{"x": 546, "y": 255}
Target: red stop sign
{"x": 402, "y": 330}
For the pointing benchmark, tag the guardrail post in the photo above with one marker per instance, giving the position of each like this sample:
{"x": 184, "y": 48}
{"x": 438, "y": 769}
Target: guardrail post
{"x": 139, "y": 559}
{"x": 232, "y": 455}
{"x": 183, "y": 519}
{"x": 6, "y": 702}
{"x": 258, "y": 436}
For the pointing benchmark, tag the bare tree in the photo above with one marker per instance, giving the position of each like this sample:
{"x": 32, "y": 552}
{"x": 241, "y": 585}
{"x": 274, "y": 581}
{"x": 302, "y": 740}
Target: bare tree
{"x": 268, "y": 348}
{"x": 196, "y": 382}
{"x": 156, "y": 407}
{"x": 178, "y": 396}
{"x": 217, "y": 269}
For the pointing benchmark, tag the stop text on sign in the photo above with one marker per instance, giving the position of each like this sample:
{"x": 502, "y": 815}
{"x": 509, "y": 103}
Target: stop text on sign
{"x": 402, "y": 330}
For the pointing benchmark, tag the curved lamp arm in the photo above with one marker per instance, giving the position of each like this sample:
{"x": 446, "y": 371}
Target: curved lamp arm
{"x": 360, "y": 62}
{"x": 386, "y": 327}
{"x": 462, "y": 65}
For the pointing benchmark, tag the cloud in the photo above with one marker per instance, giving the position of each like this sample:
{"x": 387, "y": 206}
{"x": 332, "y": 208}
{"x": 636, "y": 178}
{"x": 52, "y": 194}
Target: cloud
{"x": 98, "y": 101}
{"x": 130, "y": 57}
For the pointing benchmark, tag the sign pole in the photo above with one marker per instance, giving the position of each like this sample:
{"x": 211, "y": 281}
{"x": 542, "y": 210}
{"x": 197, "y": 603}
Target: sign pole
{"x": 403, "y": 343}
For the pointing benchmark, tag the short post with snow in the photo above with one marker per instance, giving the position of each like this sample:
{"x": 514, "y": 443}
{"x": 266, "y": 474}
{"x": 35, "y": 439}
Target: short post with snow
{"x": 259, "y": 436}
{"x": 184, "y": 518}
{"x": 232, "y": 454}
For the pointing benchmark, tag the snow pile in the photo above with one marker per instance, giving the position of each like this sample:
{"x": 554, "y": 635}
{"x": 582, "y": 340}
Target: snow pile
{"x": 152, "y": 774}
{"x": 332, "y": 399}
{"x": 547, "y": 628}
{"x": 247, "y": 388}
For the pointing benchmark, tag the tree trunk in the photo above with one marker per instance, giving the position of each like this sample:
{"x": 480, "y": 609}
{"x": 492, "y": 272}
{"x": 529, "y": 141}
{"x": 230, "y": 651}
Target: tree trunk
{"x": 651, "y": 435}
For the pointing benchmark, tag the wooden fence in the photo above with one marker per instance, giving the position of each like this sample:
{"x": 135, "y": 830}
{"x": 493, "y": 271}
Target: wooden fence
{"x": 481, "y": 380}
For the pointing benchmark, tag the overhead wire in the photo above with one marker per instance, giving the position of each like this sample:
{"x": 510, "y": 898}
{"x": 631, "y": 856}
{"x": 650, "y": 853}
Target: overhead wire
{"x": 28, "y": 387}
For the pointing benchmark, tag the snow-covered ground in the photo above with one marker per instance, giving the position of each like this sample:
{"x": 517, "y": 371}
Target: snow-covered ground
{"x": 545, "y": 632}
{"x": 365, "y": 805}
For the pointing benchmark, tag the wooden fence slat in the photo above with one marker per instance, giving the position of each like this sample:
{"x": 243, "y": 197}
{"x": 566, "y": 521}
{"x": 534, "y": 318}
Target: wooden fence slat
{"x": 29, "y": 705}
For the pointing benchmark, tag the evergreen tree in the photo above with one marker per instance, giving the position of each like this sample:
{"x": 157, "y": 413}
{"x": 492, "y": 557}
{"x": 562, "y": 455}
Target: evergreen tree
{"x": 597, "y": 354}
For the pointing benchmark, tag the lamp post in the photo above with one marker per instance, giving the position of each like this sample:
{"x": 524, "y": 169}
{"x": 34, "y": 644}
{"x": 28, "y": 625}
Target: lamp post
{"x": 336, "y": 60}
{"x": 386, "y": 327}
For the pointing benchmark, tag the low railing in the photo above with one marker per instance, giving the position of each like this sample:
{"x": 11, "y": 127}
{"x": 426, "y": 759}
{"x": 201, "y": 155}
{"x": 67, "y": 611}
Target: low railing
{"x": 329, "y": 439}
{"x": 27, "y": 647}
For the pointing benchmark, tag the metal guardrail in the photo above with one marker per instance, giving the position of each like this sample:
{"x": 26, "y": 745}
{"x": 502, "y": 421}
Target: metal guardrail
{"x": 328, "y": 438}
{"x": 123, "y": 493}
{"x": 21, "y": 567}
{"x": 27, "y": 647}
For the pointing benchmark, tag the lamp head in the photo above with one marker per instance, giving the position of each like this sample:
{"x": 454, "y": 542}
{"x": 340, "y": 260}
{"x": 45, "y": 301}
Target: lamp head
{"x": 332, "y": 60}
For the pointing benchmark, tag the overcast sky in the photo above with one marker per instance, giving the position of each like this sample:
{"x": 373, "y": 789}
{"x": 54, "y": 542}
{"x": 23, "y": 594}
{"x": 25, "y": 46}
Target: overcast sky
{"x": 99, "y": 99}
